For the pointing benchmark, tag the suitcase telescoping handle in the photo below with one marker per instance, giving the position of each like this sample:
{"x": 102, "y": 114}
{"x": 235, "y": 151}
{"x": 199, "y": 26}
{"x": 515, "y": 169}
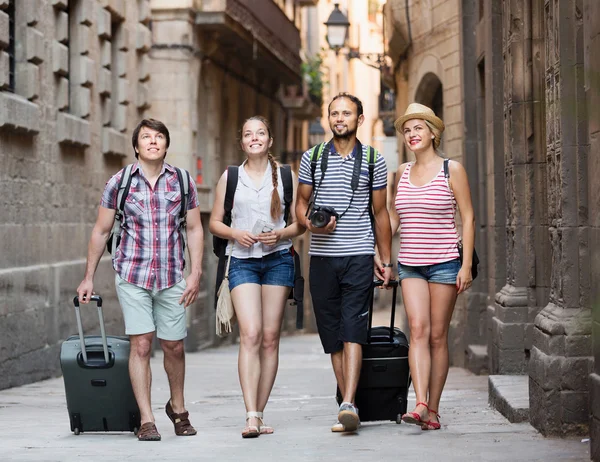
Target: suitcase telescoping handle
{"x": 98, "y": 300}
{"x": 393, "y": 283}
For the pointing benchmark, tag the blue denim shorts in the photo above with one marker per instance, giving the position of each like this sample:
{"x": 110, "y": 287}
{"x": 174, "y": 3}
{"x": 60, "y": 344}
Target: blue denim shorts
{"x": 441, "y": 273}
{"x": 274, "y": 269}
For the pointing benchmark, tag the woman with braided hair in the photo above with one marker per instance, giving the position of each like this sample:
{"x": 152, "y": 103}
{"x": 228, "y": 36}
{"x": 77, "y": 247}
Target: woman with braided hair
{"x": 261, "y": 270}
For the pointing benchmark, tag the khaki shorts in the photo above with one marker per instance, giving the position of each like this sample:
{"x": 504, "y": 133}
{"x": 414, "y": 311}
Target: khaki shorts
{"x": 147, "y": 311}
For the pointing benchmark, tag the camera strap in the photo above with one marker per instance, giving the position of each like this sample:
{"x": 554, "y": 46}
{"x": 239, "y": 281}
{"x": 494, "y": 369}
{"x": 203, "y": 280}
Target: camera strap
{"x": 322, "y": 151}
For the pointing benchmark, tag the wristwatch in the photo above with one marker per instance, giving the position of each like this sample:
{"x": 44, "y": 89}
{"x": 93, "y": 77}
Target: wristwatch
{"x": 387, "y": 265}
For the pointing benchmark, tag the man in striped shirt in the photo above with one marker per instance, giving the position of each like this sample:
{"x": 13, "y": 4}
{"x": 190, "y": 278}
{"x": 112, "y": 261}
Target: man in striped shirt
{"x": 342, "y": 252}
{"x": 149, "y": 266}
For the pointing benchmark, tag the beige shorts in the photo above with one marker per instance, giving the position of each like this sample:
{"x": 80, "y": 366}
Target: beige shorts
{"x": 147, "y": 311}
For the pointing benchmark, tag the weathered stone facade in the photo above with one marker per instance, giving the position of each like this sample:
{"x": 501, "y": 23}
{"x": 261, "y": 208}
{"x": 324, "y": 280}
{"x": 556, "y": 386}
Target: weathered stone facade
{"x": 75, "y": 78}
{"x": 591, "y": 38}
{"x": 539, "y": 314}
{"x": 78, "y": 88}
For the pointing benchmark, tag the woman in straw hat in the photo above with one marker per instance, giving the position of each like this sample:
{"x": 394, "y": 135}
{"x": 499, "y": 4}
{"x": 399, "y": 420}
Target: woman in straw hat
{"x": 429, "y": 266}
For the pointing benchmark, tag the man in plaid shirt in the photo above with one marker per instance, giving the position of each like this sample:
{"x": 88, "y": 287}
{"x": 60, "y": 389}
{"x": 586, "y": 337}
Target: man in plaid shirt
{"x": 149, "y": 266}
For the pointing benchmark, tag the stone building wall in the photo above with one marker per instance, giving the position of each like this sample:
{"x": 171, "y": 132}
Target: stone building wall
{"x": 76, "y": 76}
{"x": 539, "y": 314}
{"x": 80, "y": 85}
{"x": 591, "y": 24}
{"x": 561, "y": 354}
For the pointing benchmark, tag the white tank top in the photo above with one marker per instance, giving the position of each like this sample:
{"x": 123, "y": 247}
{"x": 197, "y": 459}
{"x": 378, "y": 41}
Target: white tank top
{"x": 252, "y": 203}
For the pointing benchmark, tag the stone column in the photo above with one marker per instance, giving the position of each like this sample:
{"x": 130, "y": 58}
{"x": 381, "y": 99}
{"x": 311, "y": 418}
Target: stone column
{"x": 472, "y": 62}
{"x": 591, "y": 26}
{"x": 512, "y": 324}
{"x": 560, "y": 357}
{"x": 494, "y": 161}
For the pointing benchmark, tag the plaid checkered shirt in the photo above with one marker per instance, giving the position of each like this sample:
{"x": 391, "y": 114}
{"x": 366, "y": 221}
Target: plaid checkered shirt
{"x": 150, "y": 254}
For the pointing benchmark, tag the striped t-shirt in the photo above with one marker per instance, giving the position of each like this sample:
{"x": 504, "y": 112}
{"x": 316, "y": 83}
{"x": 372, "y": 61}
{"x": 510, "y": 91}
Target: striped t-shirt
{"x": 427, "y": 227}
{"x": 353, "y": 234}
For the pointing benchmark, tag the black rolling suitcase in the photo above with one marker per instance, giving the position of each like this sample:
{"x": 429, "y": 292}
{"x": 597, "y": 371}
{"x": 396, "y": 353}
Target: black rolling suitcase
{"x": 97, "y": 385}
{"x": 382, "y": 391}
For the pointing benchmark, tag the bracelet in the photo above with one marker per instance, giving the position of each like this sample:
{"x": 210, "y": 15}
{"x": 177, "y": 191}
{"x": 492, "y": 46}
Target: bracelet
{"x": 387, "y": 265}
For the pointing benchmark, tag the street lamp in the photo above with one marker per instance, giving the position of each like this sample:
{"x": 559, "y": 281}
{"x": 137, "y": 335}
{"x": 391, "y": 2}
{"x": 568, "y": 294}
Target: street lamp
{"x": 337, "y": 33}
{"x": 337, "y": 28}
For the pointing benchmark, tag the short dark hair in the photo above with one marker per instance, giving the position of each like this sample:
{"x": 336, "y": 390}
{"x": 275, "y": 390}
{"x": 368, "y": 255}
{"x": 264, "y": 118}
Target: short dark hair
{"x": 152, "y": 124}
{"x": 354, "y": 99}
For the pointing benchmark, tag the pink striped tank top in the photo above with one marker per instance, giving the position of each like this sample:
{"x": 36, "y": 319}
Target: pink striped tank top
{"x": 428, "y": 232}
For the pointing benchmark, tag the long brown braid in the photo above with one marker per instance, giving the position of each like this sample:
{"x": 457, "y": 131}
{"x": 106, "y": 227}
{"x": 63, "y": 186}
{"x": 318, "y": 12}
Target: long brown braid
{"x": 275, "y": 199}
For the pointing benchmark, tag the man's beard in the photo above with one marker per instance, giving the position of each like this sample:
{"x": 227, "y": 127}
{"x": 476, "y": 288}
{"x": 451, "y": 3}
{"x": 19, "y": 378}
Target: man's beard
{"x": 345, "y": 136}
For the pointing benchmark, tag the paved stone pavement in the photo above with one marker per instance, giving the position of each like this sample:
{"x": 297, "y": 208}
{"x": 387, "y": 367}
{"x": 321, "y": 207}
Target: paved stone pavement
{"x": 34, "y": 424}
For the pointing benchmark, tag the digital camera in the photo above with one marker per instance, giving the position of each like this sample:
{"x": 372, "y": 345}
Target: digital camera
{"x": 320, "y": 216}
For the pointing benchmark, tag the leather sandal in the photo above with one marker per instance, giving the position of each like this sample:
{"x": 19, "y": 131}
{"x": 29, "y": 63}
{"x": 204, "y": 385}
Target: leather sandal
{"x": 431, "y": 425}
{"x": 251, "y": 431}
{"x": 148, "y": 432}
{"x": 414, "y": 417}
{"x": 262, "y": 428}
{"x": 181, "y": 421}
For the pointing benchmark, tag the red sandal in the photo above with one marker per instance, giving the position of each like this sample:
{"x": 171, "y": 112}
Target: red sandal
{"x": 430, "y": 425}
{"x": 414, "y": 417}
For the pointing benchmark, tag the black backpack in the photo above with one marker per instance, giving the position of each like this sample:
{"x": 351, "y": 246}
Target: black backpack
{"x": 124, "y": 184}
{"x": 220, "y": 244}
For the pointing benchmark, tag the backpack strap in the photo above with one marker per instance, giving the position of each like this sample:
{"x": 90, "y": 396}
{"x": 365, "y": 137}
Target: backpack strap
{"x": 232, "y": 180}
{"x": 357, "y": 165}
{"x": 317, "y": 152}
{"x": 447, "y": 168}
{"x": 371, "y": 158}
{"x": 184, "y": 187}
{"x": 288, "y": 190}
{"x": 124, "y": 185}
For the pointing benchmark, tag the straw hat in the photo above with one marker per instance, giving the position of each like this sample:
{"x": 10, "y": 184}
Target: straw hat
{"x": 419, "y": 111}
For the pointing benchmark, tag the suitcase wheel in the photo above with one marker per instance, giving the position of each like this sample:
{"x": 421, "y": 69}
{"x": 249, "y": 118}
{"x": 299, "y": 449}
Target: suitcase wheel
{"x": 76, "y": 431}
{"x": 135, "y": 430}
{"x": 399, "y": 419}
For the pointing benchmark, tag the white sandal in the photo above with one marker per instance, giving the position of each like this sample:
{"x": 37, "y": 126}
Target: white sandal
{"x": 264, "y": 429}
{"x": 251, "y": 431}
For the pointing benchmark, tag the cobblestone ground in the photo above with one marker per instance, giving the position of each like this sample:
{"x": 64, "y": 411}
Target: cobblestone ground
{"x": 34, "y": 424}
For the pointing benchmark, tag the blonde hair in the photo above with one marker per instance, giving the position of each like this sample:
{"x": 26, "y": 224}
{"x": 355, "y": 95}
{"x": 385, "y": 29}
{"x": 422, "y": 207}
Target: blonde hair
{"x": 436, "y": 133}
